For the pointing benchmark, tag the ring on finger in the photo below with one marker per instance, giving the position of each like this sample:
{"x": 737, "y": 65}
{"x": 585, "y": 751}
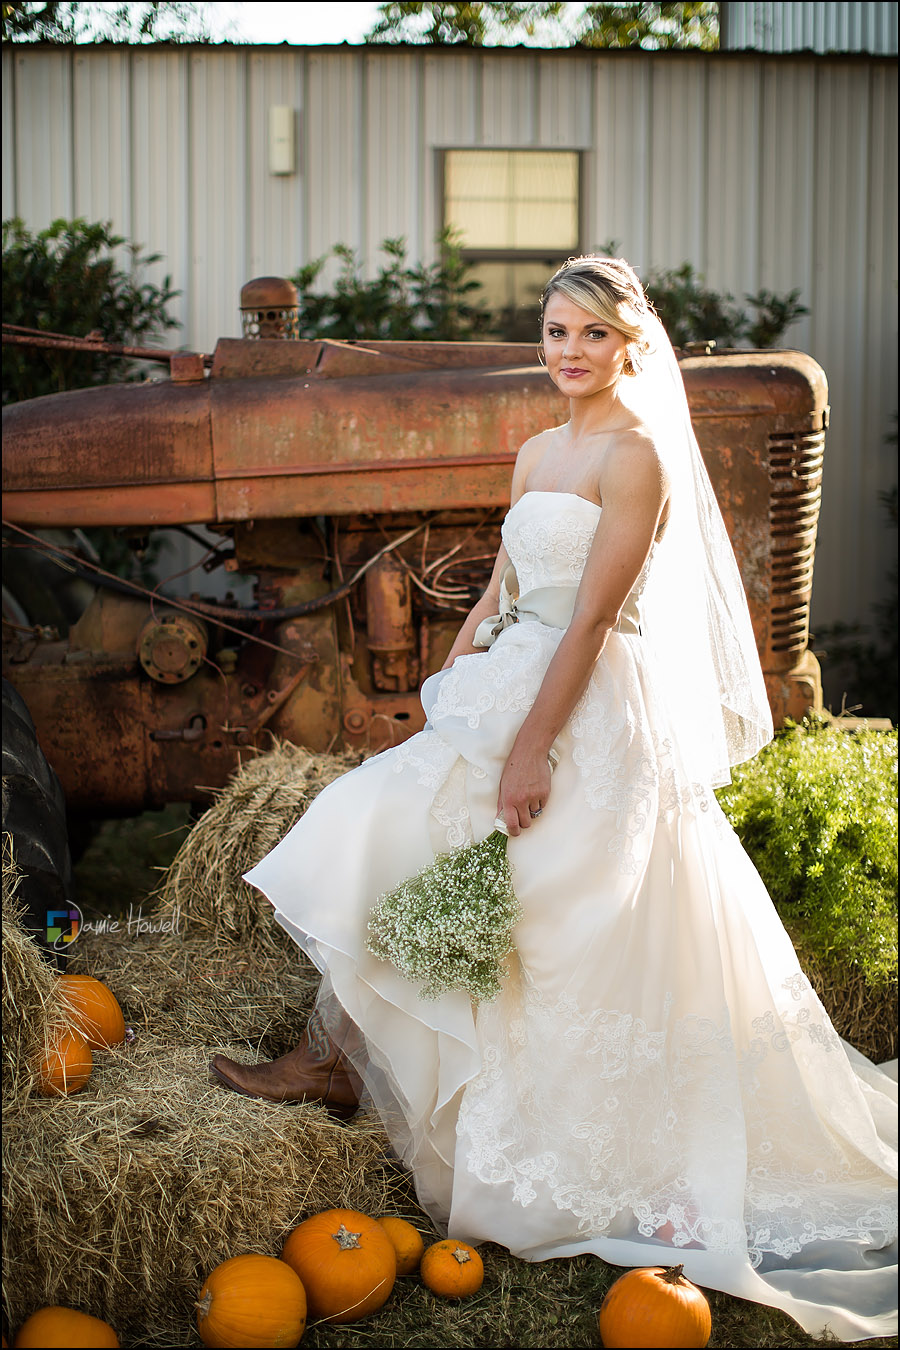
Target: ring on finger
{"x": 534, "y": 814}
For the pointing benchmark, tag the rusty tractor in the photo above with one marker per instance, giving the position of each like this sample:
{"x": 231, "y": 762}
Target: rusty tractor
{"x": 361, "y": 486}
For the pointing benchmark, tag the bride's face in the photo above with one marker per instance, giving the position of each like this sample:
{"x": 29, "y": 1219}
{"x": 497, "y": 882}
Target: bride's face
{"x": 584, "y": 355}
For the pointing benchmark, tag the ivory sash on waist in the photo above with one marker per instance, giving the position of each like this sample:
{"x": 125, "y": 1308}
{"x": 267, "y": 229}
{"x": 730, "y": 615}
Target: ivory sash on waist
{"x": 550, "y": 605}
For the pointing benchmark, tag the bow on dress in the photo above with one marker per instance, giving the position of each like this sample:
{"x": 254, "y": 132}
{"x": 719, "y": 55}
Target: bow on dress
{"x": 549, "y": 605}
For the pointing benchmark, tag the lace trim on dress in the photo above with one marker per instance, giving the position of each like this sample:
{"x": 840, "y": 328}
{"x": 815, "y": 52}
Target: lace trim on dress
{"x": 450, "y": 809}
{"x": 642, "y": 1116}
{"x": 437, "y": 766}
{"x": 547, "y": 551}
{"x": 430, "y": 757}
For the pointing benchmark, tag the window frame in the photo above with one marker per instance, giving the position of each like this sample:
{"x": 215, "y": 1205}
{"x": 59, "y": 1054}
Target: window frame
{"x": 513, "y": 255}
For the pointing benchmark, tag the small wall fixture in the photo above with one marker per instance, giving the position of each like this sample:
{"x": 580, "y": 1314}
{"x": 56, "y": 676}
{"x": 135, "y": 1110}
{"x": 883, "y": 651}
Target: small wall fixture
{"x": 281, "y": 140}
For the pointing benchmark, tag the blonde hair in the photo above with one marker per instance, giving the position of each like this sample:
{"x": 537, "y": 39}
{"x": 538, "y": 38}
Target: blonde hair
{"x": 609, "y": 288}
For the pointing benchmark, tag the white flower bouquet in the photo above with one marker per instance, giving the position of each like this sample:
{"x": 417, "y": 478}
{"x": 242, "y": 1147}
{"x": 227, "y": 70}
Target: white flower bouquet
{"x": 450, "y": 926}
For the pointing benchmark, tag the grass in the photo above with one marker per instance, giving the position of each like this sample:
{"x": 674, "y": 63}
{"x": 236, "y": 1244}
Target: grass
{"x": 553, "y": 1304}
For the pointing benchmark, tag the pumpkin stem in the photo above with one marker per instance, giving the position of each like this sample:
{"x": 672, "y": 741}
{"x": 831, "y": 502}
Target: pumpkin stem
{"x": 672, "y": 1274}
{"x": 205, "y": 1304}
{"x": 462, "y": 1255}
{"x": 345, "y": 1239}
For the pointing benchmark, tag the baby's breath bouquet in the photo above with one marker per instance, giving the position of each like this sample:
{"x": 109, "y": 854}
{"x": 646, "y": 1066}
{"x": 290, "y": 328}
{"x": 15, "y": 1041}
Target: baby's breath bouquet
{"x": 451, "y": 924}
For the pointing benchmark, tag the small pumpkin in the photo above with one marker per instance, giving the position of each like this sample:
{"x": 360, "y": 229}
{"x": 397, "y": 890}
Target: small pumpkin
{"x": 56, "y": 1326}
{"x": 250, "y": 1301}
{"x": 654, "y": 1306}
{"x": 95, "y": 1010}
{"x": 346, "y": 1261}
{"x": 67, "y": 1066}
{"x": 407, "y": 1241}
{"x": 452, "y": 1269}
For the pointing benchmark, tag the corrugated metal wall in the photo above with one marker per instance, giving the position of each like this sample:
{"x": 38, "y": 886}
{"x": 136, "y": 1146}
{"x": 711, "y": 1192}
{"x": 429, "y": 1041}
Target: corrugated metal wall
{"x": 761, "y": 171}
{"x": 824, "y": 26}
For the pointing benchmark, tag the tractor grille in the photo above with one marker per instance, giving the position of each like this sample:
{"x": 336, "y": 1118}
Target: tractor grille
{"x": 795, "y": 469}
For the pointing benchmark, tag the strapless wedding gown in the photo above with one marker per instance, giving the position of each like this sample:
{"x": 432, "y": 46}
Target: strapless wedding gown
{"x": 657, "y": 1082}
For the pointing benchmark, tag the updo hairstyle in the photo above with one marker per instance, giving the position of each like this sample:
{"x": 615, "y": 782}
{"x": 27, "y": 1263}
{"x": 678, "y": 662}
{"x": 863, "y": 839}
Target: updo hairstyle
{"x": 609, "y": 288}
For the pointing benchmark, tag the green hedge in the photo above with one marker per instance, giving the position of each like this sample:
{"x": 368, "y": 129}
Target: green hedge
{"x": 817, "y": 812}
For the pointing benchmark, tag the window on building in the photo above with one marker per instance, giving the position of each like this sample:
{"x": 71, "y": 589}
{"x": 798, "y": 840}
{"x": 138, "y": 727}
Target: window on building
{"x": 517, "y": 212}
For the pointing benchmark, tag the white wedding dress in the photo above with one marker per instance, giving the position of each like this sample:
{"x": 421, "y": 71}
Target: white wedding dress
{"x": 657, "y": 1082}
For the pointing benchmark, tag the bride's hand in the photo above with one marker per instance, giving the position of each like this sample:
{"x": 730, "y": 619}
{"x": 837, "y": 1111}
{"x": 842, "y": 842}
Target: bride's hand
{"x": 524, "y": 790}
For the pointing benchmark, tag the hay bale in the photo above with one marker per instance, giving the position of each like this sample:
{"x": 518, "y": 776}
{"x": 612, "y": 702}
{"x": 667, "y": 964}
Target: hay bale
{"x": 182, "y": 988}
{"x": 203, "y": 885}
{"x": 33, "y": 1007}
{"x": 120, "y": 1199}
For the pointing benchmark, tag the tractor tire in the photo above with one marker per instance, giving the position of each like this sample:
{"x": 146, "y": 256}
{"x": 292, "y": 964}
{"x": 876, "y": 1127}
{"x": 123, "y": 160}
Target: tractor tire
{"x": 34, "y": 814}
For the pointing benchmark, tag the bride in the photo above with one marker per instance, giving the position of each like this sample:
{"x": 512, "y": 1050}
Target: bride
{"x": 657, "y": 1081}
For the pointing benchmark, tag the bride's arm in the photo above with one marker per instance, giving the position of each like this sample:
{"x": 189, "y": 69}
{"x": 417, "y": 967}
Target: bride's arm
{"x": 482, "y": 609}
{"x": 490, "y": 600}
{"x": 634, "y": 492}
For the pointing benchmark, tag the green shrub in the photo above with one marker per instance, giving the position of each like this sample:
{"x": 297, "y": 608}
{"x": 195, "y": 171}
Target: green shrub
{"x": 692, "y": 312}
{"x": 437, "y": 302}
{"x": 65, "y": 280}
{"x": 817, "y": 812}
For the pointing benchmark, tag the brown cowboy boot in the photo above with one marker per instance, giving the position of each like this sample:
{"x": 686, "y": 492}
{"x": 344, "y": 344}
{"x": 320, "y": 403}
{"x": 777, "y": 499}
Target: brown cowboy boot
{"x": 315, "y": 1071}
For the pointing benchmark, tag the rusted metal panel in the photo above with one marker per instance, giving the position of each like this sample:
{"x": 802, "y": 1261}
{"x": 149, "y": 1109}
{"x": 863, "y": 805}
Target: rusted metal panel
{"x": 117, "y": 435}
{"x": 86, "y": 707}
{"x": 272, "y": 437}
{"x": 417, "y": 485}
{"x": 150, "y": 504}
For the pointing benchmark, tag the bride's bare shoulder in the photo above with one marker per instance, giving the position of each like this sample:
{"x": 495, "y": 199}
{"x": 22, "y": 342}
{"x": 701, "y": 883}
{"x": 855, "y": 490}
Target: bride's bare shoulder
{"x": 636, "y": 439}
{"x": 534, "y": 449}
{"x": 634, "y": 452}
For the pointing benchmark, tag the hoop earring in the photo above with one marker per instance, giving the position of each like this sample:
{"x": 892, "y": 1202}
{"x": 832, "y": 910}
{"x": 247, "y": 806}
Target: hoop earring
{"x": 540, "y": 354}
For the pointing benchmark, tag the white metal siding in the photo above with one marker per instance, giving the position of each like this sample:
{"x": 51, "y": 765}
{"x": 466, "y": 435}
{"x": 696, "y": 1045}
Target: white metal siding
{"x": 826, "y": 26}
{"x": 761, "y": 171}
{"x": 509, "y": 100}
{"x": 337, "y": 178}
{"x": 396, "y": 188}
{"x": 274, "y": 203}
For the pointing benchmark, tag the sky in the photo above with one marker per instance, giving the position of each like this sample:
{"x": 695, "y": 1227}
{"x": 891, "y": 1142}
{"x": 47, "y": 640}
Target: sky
{"x": 310, "y": 24}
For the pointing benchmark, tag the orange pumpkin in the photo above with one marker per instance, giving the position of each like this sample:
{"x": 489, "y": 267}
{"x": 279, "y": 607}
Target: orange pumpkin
{"x": 346, "y": 1261}
{"x": 654, "y": 1306}
{"x": 452, "y": 1269}
{"x": 67, "y": 1066}
{"x": 407, "y": 1242}
{"x": 50, "y": 1327}
{"x": 95, "y": 1010}
{"x": 251, "y": 1301}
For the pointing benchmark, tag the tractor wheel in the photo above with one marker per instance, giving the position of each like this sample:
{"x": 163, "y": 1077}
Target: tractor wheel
{"x": 34, "y": 814}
